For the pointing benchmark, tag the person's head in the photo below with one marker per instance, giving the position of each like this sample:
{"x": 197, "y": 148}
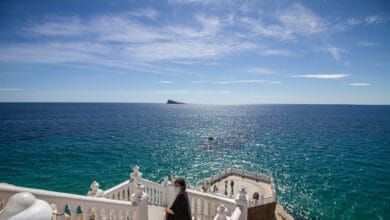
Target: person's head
{"x": 181, "y": 184}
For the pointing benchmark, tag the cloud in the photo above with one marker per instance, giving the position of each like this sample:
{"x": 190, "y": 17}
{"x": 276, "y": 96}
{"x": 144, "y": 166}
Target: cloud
{"x": 359, "y": 84}
{"x": 335, "y": 52}
{"x": 10, "y": 89}
{"x": 262, "y": 71}
{"x": 257, "y": 28}
{"x": 322, "y": 76}
{"x": 275, "y": 52}
{"x": 166, "y": 82}
{"x": 145, "y": 12}
{"x": 252, "y": 81}
{"x": 286, "y": 24}
{"x": 185, "y": 50}
{"x": 190, "y": 1}
{"x": 368, "y": 20}
{"x": 374, "y": 19}
{"x": 122, "y": 37}
{"x": 368, "y": 44}
{"x": 353, "y": 21}
{"x": 302, "y": 20}
{"x": 58, "y": 26}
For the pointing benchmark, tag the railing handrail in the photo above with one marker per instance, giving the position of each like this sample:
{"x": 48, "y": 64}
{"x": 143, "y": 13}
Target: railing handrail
{"x": 56, "y": 196}
{"x": 149, "y": 182}
{"x": 115, "y": 188}
{"x": 211, "y": 196}
{"x": 239, "y": 172}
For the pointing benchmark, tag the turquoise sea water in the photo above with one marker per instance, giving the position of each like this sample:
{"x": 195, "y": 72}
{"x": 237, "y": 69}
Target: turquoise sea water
{"x": 328, "y": 161}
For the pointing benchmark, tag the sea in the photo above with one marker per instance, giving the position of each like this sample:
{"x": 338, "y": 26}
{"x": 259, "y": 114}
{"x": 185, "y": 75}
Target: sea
{"x": 328, "y": 161}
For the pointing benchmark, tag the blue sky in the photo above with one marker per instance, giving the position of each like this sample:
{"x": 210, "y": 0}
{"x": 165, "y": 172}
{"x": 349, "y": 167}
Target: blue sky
{"x": 196, "y": 51}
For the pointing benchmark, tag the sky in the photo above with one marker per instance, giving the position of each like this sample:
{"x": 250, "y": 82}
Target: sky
{"x": 195, "y": 51}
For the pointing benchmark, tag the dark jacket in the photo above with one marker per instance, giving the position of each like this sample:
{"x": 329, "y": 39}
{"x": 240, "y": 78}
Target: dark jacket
{"x": 181, "y": 208}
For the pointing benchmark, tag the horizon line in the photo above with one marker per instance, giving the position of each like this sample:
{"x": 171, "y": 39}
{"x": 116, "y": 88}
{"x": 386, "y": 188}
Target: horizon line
{"x": 218, "y": 104}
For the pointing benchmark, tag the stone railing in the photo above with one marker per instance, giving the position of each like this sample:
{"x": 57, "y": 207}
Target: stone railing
{"x": 248, "y": 175}
{"x": 84, "y": 207}
{"x": 241, "y": 173}
{"x": 119, "y": 192}
{"x": 204, "y": 206}
{"x": 156, "y": 192}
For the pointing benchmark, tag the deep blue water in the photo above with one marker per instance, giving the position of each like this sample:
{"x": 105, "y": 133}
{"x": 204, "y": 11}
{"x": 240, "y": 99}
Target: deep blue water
{"x": 328, "y": 161}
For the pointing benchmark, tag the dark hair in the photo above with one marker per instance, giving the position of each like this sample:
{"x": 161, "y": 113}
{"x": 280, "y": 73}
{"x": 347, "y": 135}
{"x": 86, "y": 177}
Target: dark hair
{"x": 181, "y": 183}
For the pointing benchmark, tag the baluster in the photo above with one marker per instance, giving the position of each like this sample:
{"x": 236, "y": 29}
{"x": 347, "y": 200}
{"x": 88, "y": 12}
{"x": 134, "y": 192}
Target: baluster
{"x": 128, "y": 216}
{"x": 60, "y": 212}
{"x": 73, "y": 212}
{"x": 112, "y": 214}
{"x": 209, "y": 204}
{"x": 103, "y": 213}
{"x": 196, "y": 207}
{"x": 155, "y": 196}
{"x": 202, "y": 214}
{"x": 120, "y": 214}
{"x": 86, "y": 212}
{"x": 96, "y": 212}
{"x": 215, "y": 206}
{"x": 160, "y": 197}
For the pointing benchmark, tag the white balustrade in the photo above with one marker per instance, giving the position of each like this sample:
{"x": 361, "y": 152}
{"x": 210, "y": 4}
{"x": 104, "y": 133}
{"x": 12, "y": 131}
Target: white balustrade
{"x": 239, "y": 172}
{"x": 204, "y": 206}
{"x": 91, "y": 207}
{"x": 118, "y": 190}
{"x": 156, "y": 192}
{"x": 129, "y": 199}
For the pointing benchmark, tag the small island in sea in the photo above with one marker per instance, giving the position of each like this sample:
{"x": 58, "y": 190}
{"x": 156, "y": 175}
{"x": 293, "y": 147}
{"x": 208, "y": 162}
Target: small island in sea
{"x": 170, "y": 101}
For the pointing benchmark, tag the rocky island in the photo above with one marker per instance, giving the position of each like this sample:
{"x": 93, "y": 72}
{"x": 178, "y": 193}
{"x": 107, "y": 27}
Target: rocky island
{"x": 174, "y": 102}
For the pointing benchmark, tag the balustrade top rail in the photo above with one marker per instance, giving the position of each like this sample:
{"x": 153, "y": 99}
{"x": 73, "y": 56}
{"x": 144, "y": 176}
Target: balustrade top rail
{"x": 115, "y": 188}
{"x": 241, "y": 173}
{"x": 7, "y": 190}
{"x": 208, "y": 196}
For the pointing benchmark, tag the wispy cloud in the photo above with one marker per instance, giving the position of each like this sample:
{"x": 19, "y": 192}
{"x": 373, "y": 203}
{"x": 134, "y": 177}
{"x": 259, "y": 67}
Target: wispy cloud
{"x": 335, "y": 52}
{"x": 145, "y": 12}
{"x": 368, "y": 20}
{"x": 261, "y": 71}
{"x": 367, "y": 44}
{"x": 322, "y": 76}
{"x": 276, "y": 52}
{"x": 302, "y": 20}
{"x": 359, "y": 84}
{"x": 166, "y": 82}
{"x": 10, "y": 89}
{"x": 239, "y": 81}
{"x": 353, "y": 21}
{"x": 374, "y": 19}
{"x": 122, "y": 37}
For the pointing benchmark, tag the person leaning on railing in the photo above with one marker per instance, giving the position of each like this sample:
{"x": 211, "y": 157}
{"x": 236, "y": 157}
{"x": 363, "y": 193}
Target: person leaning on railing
{"x": 180, "y": 208}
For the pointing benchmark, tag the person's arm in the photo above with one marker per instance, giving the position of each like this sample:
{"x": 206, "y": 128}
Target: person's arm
{"x": 170, "y": 211}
